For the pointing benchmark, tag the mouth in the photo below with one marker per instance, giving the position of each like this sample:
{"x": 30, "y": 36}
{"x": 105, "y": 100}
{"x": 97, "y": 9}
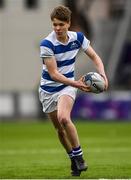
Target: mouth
{"x": 59, "y": 33}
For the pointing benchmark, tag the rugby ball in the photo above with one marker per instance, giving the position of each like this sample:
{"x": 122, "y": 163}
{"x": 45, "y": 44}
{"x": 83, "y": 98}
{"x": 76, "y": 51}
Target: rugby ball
{"x": 95, "y": 81}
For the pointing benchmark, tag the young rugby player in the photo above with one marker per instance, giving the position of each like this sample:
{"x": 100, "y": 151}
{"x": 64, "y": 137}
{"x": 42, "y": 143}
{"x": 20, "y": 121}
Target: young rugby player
{"x": 58, "y": 87}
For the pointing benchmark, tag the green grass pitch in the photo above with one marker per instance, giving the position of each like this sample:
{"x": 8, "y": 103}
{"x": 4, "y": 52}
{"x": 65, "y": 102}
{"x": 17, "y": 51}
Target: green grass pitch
{"x": 31, "y": 150}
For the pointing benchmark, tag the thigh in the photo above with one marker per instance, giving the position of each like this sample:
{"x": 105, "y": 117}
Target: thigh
{"x": 65, "y": 105}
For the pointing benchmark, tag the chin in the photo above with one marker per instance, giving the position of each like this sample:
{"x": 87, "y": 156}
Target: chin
{"x": 59, "y": 35}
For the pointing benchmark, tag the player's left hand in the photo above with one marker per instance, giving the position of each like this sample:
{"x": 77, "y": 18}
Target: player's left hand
{"x": 106, "y": 81}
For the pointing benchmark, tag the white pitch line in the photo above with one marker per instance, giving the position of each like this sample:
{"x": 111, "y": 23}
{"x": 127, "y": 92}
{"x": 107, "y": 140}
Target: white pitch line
{"x": 58, "y": 151}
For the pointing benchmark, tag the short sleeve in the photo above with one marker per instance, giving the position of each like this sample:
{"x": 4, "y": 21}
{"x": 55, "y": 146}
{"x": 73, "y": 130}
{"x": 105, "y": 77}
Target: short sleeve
{"x": 83, "y": 41}
{"x": 46, "y": 49}
{"x": 45, "y": 52}
{"x": 85, "y": 44}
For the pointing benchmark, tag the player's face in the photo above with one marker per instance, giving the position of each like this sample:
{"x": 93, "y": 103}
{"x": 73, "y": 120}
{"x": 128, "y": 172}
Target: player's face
{"x": 60, "y": 27}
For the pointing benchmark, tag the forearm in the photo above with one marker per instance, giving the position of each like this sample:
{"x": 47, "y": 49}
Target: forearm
{"x": 96, "y": 60}
{"x": 99, "y": 65}
{"x": 56, "y": 76}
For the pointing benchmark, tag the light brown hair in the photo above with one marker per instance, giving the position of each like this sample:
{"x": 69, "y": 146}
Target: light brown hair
{"x": 61, "y": 13}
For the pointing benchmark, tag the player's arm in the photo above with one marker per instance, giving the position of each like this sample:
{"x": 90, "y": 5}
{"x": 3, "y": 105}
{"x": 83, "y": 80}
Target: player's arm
{"x": 98, "y": 63}
{"x": 51, "y": 65}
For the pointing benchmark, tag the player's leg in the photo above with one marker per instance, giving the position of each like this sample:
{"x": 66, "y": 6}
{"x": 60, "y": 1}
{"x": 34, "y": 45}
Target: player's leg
{"x": 61, "y": 131}
{"x": 65, "y": 104}
{"x": 49, "y": 107}
{"x": 64, "y": 140}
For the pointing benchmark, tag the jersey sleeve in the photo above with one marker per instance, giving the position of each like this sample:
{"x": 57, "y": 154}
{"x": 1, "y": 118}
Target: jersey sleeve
{"x": 46, "y": 49}
{"x": 83, "y": 41}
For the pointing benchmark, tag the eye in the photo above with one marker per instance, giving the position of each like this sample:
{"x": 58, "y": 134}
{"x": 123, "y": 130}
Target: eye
{"x": 61, "y": 24}
{"x": 54, "y": 24}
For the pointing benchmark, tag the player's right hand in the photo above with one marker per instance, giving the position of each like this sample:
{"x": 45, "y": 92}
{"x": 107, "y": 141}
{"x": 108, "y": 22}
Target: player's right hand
{"x": 83, "y": 86}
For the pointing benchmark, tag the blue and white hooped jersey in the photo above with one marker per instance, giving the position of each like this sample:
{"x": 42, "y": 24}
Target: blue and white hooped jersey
{"x": 65, "y": 55}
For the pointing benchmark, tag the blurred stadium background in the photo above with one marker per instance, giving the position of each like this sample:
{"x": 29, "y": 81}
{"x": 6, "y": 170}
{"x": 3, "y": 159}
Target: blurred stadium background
{"x": 23, "y": 23}
{"x": 28, "y": 145}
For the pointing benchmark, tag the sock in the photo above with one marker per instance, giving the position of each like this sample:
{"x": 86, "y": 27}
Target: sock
{"x": 70, "y": 154}
{"x": 77, "y": 151}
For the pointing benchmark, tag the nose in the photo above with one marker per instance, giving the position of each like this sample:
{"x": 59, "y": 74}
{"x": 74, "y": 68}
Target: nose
{"x": 57, "y": 27}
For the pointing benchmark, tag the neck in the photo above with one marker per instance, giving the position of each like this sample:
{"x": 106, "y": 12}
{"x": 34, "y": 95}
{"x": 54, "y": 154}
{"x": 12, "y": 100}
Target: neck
{"x": 63, "y": 39}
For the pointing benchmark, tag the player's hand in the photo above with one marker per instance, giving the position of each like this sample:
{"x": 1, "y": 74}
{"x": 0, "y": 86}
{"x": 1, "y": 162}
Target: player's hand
{"x": 106, "y": 81}
{"x": 83, "y": 86}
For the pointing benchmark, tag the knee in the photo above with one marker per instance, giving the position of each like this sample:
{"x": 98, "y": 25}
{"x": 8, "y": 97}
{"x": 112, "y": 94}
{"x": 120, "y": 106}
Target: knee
{"x": 64, "y": 120}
